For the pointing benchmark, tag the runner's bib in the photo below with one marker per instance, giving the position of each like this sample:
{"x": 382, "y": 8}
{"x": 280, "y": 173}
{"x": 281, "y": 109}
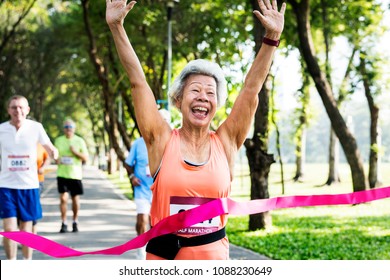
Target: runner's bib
{"x": 67, "y": 160}
{"x": 179, "y": 204}
{"x": 18, "y": 163}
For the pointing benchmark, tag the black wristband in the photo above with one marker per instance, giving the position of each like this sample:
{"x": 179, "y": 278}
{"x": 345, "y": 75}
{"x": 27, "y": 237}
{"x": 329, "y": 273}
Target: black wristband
{"x": 274, "y": 43}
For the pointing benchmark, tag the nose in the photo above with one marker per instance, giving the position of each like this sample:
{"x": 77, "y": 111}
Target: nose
{"x": 19, "y": 109}
{"x": 202, "y": 96}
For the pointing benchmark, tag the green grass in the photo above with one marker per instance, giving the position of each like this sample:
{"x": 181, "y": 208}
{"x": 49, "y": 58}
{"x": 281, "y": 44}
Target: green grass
{"x": 122, "y": 183}
{"x": 316, "y": 233}
{"x": 320, "y": 233}
{"x": 359, "y": 232}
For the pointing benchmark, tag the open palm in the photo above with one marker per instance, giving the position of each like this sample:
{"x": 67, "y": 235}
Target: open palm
{"x": 117, "y": 10}
{"x": 270, "y": 17}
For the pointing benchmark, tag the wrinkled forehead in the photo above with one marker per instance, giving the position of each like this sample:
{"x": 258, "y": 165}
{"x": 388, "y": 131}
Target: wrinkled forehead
{"x": 200, "y": 79}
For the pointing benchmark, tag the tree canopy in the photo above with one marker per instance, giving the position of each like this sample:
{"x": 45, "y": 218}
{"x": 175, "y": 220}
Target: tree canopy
{"x": 60, "y": 55}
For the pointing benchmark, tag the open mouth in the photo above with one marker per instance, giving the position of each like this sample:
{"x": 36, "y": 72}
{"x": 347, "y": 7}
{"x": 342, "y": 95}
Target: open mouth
{"x": 200, "y": 111}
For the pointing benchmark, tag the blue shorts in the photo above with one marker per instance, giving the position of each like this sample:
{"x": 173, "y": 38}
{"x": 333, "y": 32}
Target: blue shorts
{"x": 25, "y": 205}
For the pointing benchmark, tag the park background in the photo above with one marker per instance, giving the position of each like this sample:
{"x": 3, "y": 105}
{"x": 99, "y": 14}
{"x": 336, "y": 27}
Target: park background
{"x": 329, "y": 70}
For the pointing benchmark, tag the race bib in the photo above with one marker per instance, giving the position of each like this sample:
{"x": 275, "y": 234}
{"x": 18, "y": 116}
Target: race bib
{"x": 147, "y": 171}
{"x": 67, "y": 160}
{"x": 180, "y": 204}
{"x": 18, "y": 163}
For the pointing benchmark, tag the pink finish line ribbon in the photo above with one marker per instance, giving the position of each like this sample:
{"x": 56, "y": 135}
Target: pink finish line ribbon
{"x": 199, "y": 214}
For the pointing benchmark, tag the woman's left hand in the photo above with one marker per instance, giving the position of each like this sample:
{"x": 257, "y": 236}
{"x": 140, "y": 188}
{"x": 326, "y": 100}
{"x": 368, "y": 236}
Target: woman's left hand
{"x": 271, "y": 18}
{"x": 116, "y": 10}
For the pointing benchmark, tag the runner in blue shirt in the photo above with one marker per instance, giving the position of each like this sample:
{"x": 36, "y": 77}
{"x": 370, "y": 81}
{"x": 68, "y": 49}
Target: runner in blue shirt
{"x": 137, "y": 165}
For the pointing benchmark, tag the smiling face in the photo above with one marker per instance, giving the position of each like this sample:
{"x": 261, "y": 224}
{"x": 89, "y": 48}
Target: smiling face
{"x": 199, "y": 101}
{"x": 18, "y": 110}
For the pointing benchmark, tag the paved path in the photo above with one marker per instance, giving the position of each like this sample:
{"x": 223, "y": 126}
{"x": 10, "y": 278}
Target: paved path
{"x": 107, "y": 219}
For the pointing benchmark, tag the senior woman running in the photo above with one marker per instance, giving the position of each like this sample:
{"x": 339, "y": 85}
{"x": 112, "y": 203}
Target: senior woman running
{"x": 193, "y": 165}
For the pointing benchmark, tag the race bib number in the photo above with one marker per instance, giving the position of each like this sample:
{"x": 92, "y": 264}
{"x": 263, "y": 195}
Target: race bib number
{"x": 180, "y": 204}
{"x": 18, "y": 163}
{"x": 67, "y": 160}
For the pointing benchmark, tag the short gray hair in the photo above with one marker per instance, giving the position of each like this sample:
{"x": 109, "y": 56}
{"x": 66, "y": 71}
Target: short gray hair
{"x": 16, "y": 97}
{"x": 69, "y": 121}
{"x": 201, "y": 67}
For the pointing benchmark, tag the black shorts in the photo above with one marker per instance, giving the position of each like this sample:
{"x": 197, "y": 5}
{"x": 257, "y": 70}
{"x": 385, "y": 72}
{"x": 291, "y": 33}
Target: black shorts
{"x": 73, "y": 186}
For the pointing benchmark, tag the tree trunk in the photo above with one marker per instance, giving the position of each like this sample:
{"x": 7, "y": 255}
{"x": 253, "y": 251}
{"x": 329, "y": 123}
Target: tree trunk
{"x": 256, "y": 148}
{"x": 277, "y": 131}
{"x": 300, "y": 133}
{"x": 300, "y": 153}
{"x": 333, "y": 158}
{"x": 348, "y": 142}
{"x": 259, "y": 165}
{"x": 373, "y": 172}
{"x": 112, "y": 120}
{"x": 95, "y": 129}
{"x": 260, "y": 161}
{"x": 121, "y": 87}
{"x": 333, "y": 174}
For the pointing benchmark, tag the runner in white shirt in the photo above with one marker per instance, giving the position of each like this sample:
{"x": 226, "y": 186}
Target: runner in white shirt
{"x": 19, "y": 185}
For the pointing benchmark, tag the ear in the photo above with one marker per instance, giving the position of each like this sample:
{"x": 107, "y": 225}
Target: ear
{"x": 178, "y": 104}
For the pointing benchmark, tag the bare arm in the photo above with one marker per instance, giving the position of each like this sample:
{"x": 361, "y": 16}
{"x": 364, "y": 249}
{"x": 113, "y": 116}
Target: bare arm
{"x": 130, "y": 171}
{"x": 154, "y": 129}
{"x": 235, "y": 129}
{"x": 78, "y": 154}
{"x": 52, "y": 151}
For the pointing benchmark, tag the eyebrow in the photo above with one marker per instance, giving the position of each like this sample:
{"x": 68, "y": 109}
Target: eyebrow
{"x": 209, "y": 85}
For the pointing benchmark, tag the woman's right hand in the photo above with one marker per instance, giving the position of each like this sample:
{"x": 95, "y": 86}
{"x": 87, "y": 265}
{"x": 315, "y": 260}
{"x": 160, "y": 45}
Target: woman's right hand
{"x": 116, "y": 10}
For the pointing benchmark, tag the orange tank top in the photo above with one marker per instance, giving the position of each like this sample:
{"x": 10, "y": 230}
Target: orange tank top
{"x": 180, "y": 186}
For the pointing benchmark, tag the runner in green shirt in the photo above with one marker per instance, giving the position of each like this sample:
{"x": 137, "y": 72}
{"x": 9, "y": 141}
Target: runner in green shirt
{"x": 72, "y": 153}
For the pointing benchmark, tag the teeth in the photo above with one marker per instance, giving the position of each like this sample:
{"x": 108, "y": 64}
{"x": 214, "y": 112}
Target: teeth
{"x": 200, "y": 109}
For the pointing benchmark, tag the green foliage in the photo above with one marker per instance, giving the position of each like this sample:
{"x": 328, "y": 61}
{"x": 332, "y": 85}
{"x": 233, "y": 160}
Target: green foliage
{"x": 341, "y": 232}
{"x": 375, "y": 67}
{"x": 47, "y": 58}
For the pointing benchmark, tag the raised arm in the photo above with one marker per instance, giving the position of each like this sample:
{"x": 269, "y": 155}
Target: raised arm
{"x": 235, "y": 129}
{"x": 154, "y": 129}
